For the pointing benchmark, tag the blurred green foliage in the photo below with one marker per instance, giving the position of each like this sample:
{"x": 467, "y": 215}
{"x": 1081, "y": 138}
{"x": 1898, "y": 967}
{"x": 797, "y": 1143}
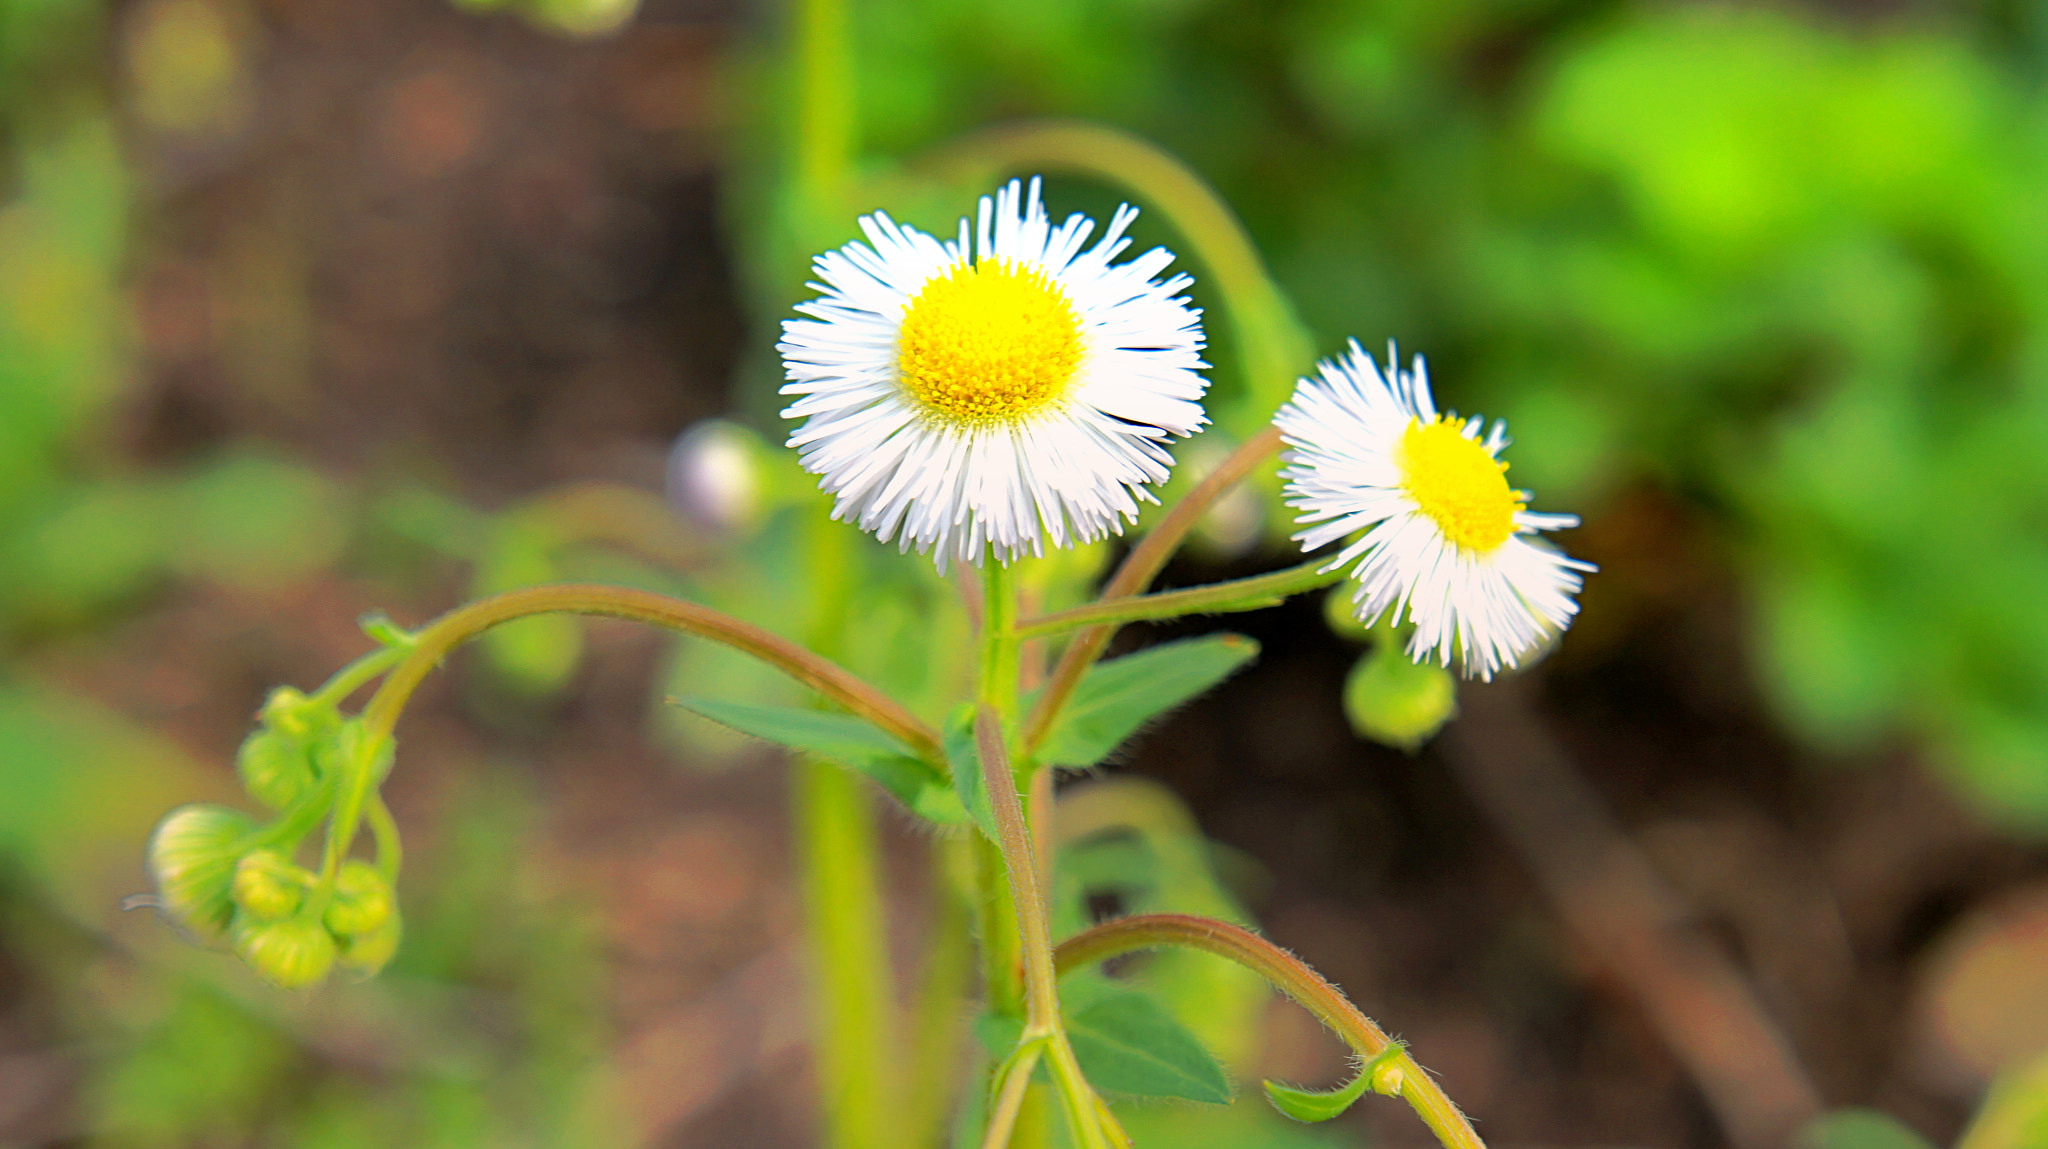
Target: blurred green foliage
{"x": 1788, "y": 267}
{"x": 1791, "y": 268}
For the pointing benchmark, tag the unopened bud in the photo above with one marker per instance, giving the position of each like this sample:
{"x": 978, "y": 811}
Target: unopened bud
{"x": 1394, "y": 700}
{"x": 362, "y": 900}
{"x": 192, "y": 856}
{"x": 714, "y": 475}
{"x": 367, "y": 953}
{"x": 268, "y": 886}
{"x": 275, "y": 767}
{"x": 288, "y": 954}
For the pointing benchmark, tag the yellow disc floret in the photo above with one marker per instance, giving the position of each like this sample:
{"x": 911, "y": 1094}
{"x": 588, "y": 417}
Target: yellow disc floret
{"x": 1459, "y": 483}
{"x": 988, "y": 343}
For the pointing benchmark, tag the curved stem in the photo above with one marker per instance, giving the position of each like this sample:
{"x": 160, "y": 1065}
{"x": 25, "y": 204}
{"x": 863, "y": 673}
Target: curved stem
{"x": 356, "y": 674}
{"x": 466, "y": 622}
{"x": 1139, "y": 568}
{"x": 1290, "y": 976}
{"x": 1218, "y": 598}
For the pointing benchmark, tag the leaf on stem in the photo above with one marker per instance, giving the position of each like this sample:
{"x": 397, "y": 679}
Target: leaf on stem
{"x": 1118, "y": 696}
{"x": 846, "y": 740}
{"x": 968, "y": 784}
{"x": 1313, "y": 1105}
{"x": 1128, "y": 1043}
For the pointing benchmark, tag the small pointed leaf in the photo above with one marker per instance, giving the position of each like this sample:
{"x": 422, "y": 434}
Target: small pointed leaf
{"x": 1123, "y": 694}
{"x": 1128, "y": 1043}
{"x": 1311, "y": 1105}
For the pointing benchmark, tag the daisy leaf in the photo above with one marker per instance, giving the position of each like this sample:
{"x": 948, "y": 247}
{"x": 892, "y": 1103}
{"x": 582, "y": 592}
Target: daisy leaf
{"x": 844, "y": 739}
{"x": 1119, "y": 696}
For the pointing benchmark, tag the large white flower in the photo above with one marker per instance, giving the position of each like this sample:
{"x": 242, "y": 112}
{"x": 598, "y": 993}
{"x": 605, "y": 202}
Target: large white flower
{"x": 992, "y": 403}
{"x": 1441, "y": 533}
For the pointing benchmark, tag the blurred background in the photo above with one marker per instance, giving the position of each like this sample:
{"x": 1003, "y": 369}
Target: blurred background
{"x": 314, "y": 307}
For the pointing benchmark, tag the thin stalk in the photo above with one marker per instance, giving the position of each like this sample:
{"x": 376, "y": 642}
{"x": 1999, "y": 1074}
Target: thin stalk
{"x": 1243, "y": 594}
{"x": 1290, "y": 976}
{"x": 936, "y": 1029}
{"x": 466, "y": 622}
{"x": 1013, "y": 1078}
{"x": 844, "y": 916}
{"x": 1041, "y": 988}
{"x": 356, "y": 674}
{"x": 1138, "y": 570}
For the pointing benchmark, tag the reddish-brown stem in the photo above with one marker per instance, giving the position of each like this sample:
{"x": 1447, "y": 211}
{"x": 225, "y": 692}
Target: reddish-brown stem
{"x": 1139, "y": 568}
{"x": 1287, "y": 974}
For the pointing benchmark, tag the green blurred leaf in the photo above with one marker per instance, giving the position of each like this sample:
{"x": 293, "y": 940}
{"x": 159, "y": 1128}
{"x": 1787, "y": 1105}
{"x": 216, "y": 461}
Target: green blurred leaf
{"x": 849, "y": 741}
{"x": 1119, "y": 696}
{"x": 1859, "y": 1129}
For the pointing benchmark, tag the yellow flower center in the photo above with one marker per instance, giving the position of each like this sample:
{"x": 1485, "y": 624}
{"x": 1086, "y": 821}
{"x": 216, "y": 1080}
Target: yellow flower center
{"x": 1459, "y": 483}
{"x": 988, "y": 343}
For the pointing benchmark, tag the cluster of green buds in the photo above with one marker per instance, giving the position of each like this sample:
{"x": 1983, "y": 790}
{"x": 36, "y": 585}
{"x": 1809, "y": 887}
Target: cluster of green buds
{"x": 228, "y": 877}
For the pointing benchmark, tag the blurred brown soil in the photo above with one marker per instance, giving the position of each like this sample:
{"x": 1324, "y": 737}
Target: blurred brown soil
{"x": 463, "y": 251}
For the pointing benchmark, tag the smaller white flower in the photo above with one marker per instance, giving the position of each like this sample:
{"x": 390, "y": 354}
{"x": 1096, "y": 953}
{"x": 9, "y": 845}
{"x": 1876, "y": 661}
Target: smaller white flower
{"x": 1441, "y": 534}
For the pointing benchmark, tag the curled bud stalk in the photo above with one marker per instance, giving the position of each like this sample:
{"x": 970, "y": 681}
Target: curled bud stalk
{"x": 192, "y": 857}
{"x": 269, "y": 886}
{"x": 362, "y": 900}
{"x": 290, "y": 954}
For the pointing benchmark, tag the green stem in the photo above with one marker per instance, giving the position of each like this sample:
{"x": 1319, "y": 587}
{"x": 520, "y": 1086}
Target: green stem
{"x": 390, "y": 853}
{"x": 1139, "y": 568}
{"x": 824, "y": 119}
{"x": 1012, "y": 1079}
{"x": 1290, "y": 976}
{"x": 856, "y": 1044}
{"x": 349, "y": 678}
{"x": 1242, "y": 594}
{"x": 466, "y": 622}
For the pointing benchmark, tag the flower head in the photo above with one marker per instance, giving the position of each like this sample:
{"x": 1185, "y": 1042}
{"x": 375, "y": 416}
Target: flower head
{"x": 1441, "y": 534}
{"x": 995, "y": 402}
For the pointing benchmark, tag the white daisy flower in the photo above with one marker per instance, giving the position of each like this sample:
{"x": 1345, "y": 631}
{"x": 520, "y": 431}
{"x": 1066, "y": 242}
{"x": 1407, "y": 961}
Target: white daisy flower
{"x": 992, "y": 403}
{"x": 1441, "y": 533}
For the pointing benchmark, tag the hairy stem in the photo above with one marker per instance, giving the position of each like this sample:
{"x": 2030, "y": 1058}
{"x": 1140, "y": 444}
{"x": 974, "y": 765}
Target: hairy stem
{"x": 1218, "y": 598}
{"x": 1139, "y": 568}
{"x": 466, "y": 622}
{"x": 1290, "y": 976}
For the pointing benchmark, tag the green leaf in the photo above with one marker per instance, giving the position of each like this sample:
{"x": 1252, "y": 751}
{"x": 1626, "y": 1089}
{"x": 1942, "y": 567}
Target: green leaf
{"x": 844, "y": 739}
{"x": 1311, "y": 1105}
{"x": 1127, "y": 1043}
{"x": 966, "y": 763}
{"x": 1123, "y": 694}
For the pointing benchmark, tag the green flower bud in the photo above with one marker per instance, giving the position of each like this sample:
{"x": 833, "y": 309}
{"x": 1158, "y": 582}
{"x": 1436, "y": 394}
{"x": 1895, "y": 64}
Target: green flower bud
{"x": 1340, "y": 614}
{"x": 362, "y": 900}
{"x": 289, "y": 954}
{"x": 268, "y": 886}
{"x": 275, "y": 767}
{"x": 1388, "y": 1078}
{"x": 192, "y": 856}
{"x": 1396, "y": 701}
{"x": 367, "y": 953}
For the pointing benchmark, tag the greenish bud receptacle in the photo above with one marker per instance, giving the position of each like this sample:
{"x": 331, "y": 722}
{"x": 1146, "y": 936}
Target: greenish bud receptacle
{"x": 192, "y": 857}
{"x": 268, "y": 886}
{"x": 289, "y": 954}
